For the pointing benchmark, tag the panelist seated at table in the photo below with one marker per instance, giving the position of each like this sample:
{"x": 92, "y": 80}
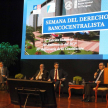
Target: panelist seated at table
{"x": 41, "y": 74}
{"x": 98, "y": 78}
{"x": 56, "y": 75}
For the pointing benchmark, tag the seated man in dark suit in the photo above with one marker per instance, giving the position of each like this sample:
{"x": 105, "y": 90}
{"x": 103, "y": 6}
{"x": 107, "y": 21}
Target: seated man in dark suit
{"x": 99, "y": 78}
{"x": 4, "y": 73}
{"x": 56, "y": 75}
{"x": 41, "y": 74}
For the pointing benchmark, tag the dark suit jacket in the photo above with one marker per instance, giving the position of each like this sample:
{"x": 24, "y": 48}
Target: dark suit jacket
{"x": 101, "y": 77}
{"x": 61, "y": 72}
{"x": 6, "y": 73}
{"x": 44, "y": 76}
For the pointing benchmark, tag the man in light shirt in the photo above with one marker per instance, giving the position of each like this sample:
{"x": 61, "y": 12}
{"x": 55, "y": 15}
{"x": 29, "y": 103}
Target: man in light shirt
{"x": 99, "y": 78}
{"x": 56, "y": 75}
{"x": 41, "y": 74}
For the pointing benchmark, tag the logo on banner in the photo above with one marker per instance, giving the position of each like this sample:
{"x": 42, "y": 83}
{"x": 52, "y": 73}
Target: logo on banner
{"x": 36, "y": 9}
{"x": 75, "y": 3}
{"x": 68, "y": 5}
{"x": 51, "y": 7}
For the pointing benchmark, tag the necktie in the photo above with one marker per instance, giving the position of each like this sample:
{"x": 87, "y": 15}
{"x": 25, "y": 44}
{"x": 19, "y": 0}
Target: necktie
{"x": 56, "y": 76}
{"x": 98, "y": 76}
{"x": 38, "y": 76}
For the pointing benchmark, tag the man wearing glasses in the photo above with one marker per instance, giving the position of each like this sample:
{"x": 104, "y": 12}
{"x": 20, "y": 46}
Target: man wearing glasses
{"x": 41, "y": 74}
{"x": 99, "y": 78}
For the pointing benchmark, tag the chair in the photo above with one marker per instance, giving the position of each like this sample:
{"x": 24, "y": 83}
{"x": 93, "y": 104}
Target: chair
{"x": 6, "y": 85}
{"x": 61, "y": 85}
{"x": 28, "y": 92}
{"x": 97, "y": 88}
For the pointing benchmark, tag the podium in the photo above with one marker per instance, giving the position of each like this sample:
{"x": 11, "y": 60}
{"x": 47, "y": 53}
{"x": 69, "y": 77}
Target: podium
{"x": 24, "y": 88}
{"x": 106, "y": 75}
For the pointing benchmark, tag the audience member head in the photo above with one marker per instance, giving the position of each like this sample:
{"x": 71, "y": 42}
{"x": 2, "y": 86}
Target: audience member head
{"x": 56, "y": 65}
{"x": 1, "y": 64}
{"x": 101, "y": 65}
{"x": 41, "y": 66}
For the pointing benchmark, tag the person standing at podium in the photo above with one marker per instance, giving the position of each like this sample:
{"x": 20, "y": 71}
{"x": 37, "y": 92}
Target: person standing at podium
{"x": 99, "y": 78}
{"x": 56, "y": 75}
{"x": 41, "y": 74}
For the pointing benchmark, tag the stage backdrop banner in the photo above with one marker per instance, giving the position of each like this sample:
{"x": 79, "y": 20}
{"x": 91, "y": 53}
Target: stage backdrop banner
{"x": 74, "y": 23}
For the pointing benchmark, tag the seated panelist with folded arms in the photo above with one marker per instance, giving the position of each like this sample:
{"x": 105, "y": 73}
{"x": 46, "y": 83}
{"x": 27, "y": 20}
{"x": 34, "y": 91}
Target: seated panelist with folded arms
{"x": 99, "y": 78}
{"x": 41, "y": 74}
{"x": 56, "y": 75}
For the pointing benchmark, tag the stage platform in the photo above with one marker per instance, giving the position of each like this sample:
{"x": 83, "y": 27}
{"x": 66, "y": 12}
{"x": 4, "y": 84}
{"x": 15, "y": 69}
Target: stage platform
{"x": 63, "y": 102}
